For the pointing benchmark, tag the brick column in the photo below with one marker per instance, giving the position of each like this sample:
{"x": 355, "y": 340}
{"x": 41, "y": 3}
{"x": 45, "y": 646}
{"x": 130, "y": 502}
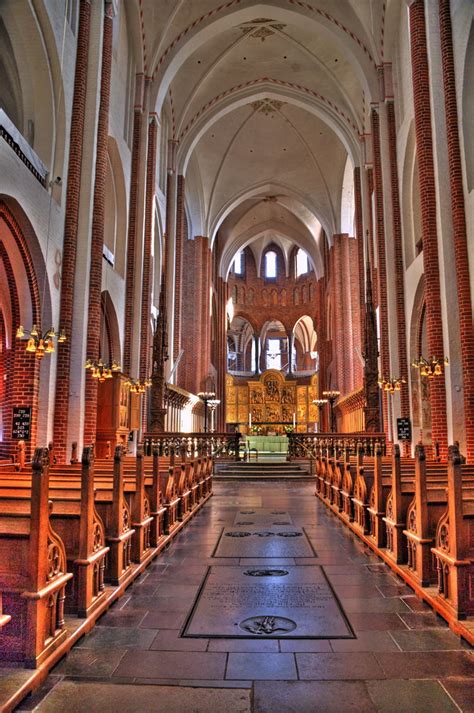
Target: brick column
{"x": 170, "y": 245}
{"x": 424, "y": 146}
{"x": 459, "y": 223}
{"x": 338, "y": 347}
{"x": 221, "y": 351}
{"x": 350, "y": 327}
{"x": 180, "y": 238}
{"x": 399, "y": 272}
{"x": 381, "y": 260}
{"x": 70, "y": 231}
{"x": 97, "y": 237}
{"x": 359, "y": 230}
{"x": 133, "y": 220}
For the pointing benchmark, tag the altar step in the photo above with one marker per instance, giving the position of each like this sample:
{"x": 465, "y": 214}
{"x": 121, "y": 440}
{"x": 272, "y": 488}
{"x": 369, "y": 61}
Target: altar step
{"x": 268, "y": 470}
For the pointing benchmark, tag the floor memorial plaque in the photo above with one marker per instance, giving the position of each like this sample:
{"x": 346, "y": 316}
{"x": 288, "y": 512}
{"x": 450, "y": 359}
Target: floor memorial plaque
{"x": 262, "y": 516}
{"x": 267, "y": 602}
{"x": 264, "y": 541}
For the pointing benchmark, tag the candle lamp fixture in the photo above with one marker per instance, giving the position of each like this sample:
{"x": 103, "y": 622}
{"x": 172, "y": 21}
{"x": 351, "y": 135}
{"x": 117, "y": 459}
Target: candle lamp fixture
{"x": 137, "y": 386}
{"x": 332, "y": 395}
{"x": 320, "y": 403}
{"x": 430, "y": 367}
{"x": 40, "y": 343}
{"x": 206, "y": 396}
{"x": 100, "y": 370}
{"x": 391, "y": 384}
{"x": 212, "y": 405}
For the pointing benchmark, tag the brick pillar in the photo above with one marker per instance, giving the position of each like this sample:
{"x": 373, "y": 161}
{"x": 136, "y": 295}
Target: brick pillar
{"x": 97, "y": 236}
{"x": 221, "y": 351}
{"x": 349, "y": 276}
{"x": 381, "y": 260}
{"x": 170, "y": 245}
{"x": 70, "y": 231}
{"x": 459, "y": 223}
{"x": 338, "y": 347}
{"x": 133, "y": 220}
{"x": 399, "y": 273}
{"x": 180, "y": 238}
{"x": 424, "y": 146}
{"x": 370, "y": 193}
{"x": 359, "y": 230}
{"x": 205, "y": 310}
{"x": 355, "y": 280}
{"x": 145, "y": 331}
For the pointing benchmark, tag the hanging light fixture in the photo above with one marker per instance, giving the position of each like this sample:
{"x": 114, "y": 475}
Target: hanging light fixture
{"x": 137, "y": 386}
{"x": 40, "y": 343}
{"x": 391, "y": 384}
{"x": 430, "y": 368}
{"x": 101, "y": 371}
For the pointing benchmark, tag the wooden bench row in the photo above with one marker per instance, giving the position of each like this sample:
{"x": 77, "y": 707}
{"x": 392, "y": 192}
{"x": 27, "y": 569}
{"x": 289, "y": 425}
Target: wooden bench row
{"x": 68, "y": 532}
{"x": 417, "y": 512}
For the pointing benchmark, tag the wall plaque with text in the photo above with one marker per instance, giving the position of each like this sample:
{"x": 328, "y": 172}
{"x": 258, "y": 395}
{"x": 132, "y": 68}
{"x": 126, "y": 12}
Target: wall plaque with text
{"x": 21, "y": 425}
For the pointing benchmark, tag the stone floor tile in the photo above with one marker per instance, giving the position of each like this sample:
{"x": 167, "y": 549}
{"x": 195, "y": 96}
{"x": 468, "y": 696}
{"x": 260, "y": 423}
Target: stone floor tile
{"x": 117, "y": 637}
{"x": 77, "y": 697}
{"x": 90, "y": 663}
{"x": 366, "y": 641}
{"x": 163, "y": 620}
{"x": 173, "y": 664}
{"x": 396, "y": 696}
{"x": 276, "y": 667}
{"x": 461, "y": 690}
{"x": 408, "y": 664}
{"x": 312, "y": 696}
{"x": 305, "y": 645}
{"x": 369, "y": 606}
{"x": 344, "y": 666}
{"x": 430, "y": 640}
{"x": 170, "y": 640}
{"x": 244, "y": 645}
{"x": 121, "y": 618}
{"x": 423, "y": 620}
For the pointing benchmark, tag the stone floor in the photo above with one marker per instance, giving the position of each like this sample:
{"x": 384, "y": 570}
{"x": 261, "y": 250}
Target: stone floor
{"x": 403, "y": 658}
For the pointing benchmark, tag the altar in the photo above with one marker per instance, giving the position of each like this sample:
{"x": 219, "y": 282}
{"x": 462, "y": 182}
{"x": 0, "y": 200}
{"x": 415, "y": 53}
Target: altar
{"x": 267, "y": 444}
{"x": 272, "y": 405}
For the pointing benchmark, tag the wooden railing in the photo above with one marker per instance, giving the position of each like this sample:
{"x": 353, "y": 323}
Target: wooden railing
{"x": 190, "y": 445}
{"x": 306, "y": 445}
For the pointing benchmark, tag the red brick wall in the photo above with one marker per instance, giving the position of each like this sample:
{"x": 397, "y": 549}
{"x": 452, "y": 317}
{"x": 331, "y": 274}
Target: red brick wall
{"x": 459, "y": 224}
{"x": 70, "y": 231}
{"x": 181, "y": 235}
{"x": 381, "y": 261}
{"x": 424, "y": 147}
{"x": 97, "y": 234}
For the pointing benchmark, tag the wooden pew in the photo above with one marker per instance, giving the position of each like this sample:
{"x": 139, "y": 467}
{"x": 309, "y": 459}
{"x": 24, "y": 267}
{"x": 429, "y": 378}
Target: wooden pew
{"x": 424, "y": 512}
{"x": 398, "y": 500}
{"x": 351, "y": 467}
{"x": 33, "y": 575}
{"x": 454, "y": 540}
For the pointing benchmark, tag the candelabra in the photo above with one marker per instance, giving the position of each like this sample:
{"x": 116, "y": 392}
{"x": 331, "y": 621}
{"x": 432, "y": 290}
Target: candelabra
{"x": 391, "y": 384}
{"x": 137, "y": 386}
{"x": 320, "y": 403}
{"x": 206, "y": 396}
{"x": 40, "y": 343}
{"x": 332, "y": 395}
{"x": 212, "y": 405}
{"x": 432, "y": 367}
{"x": 100, "y": 370}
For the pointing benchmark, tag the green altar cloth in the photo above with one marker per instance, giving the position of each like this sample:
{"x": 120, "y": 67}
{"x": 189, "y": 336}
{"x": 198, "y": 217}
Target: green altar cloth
{"x": 268, "y": 444}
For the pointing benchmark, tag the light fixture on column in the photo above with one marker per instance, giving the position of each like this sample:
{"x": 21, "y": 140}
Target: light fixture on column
{"x": 332, "y": 395}
{"x": 320, "y": 403}
{"x": 38, "y": 342}
{"x": 206, "y": 396}
{"x": 391, "y": 384}
{"x": 100, "y": 370}
{"x": 212, "y": 405}
{"x": 430, "y": 367}
{"x": 137, "y": 386}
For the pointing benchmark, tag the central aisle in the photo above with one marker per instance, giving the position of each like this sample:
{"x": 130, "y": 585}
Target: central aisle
{"x": 390, "y": 654}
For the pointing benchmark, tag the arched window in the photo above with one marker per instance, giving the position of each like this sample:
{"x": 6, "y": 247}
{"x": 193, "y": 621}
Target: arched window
{"x": 302, "y": 263}
{"x": 270, "y": 264}
{"x": 238, "y": 264}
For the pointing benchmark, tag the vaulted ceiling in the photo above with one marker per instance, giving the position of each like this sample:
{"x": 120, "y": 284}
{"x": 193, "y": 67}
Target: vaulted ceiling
{"x": 268, "y": 101}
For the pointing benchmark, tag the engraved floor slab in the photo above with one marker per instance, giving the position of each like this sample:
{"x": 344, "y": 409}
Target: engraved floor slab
{"x": 262, "y": 516}
{"x": 263, "y": 541}
{"x": 267, "y": 603}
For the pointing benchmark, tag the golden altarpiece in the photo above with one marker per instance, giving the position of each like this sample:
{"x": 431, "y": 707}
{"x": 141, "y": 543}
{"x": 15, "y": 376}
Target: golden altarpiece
{"x": 272, "y": 404}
